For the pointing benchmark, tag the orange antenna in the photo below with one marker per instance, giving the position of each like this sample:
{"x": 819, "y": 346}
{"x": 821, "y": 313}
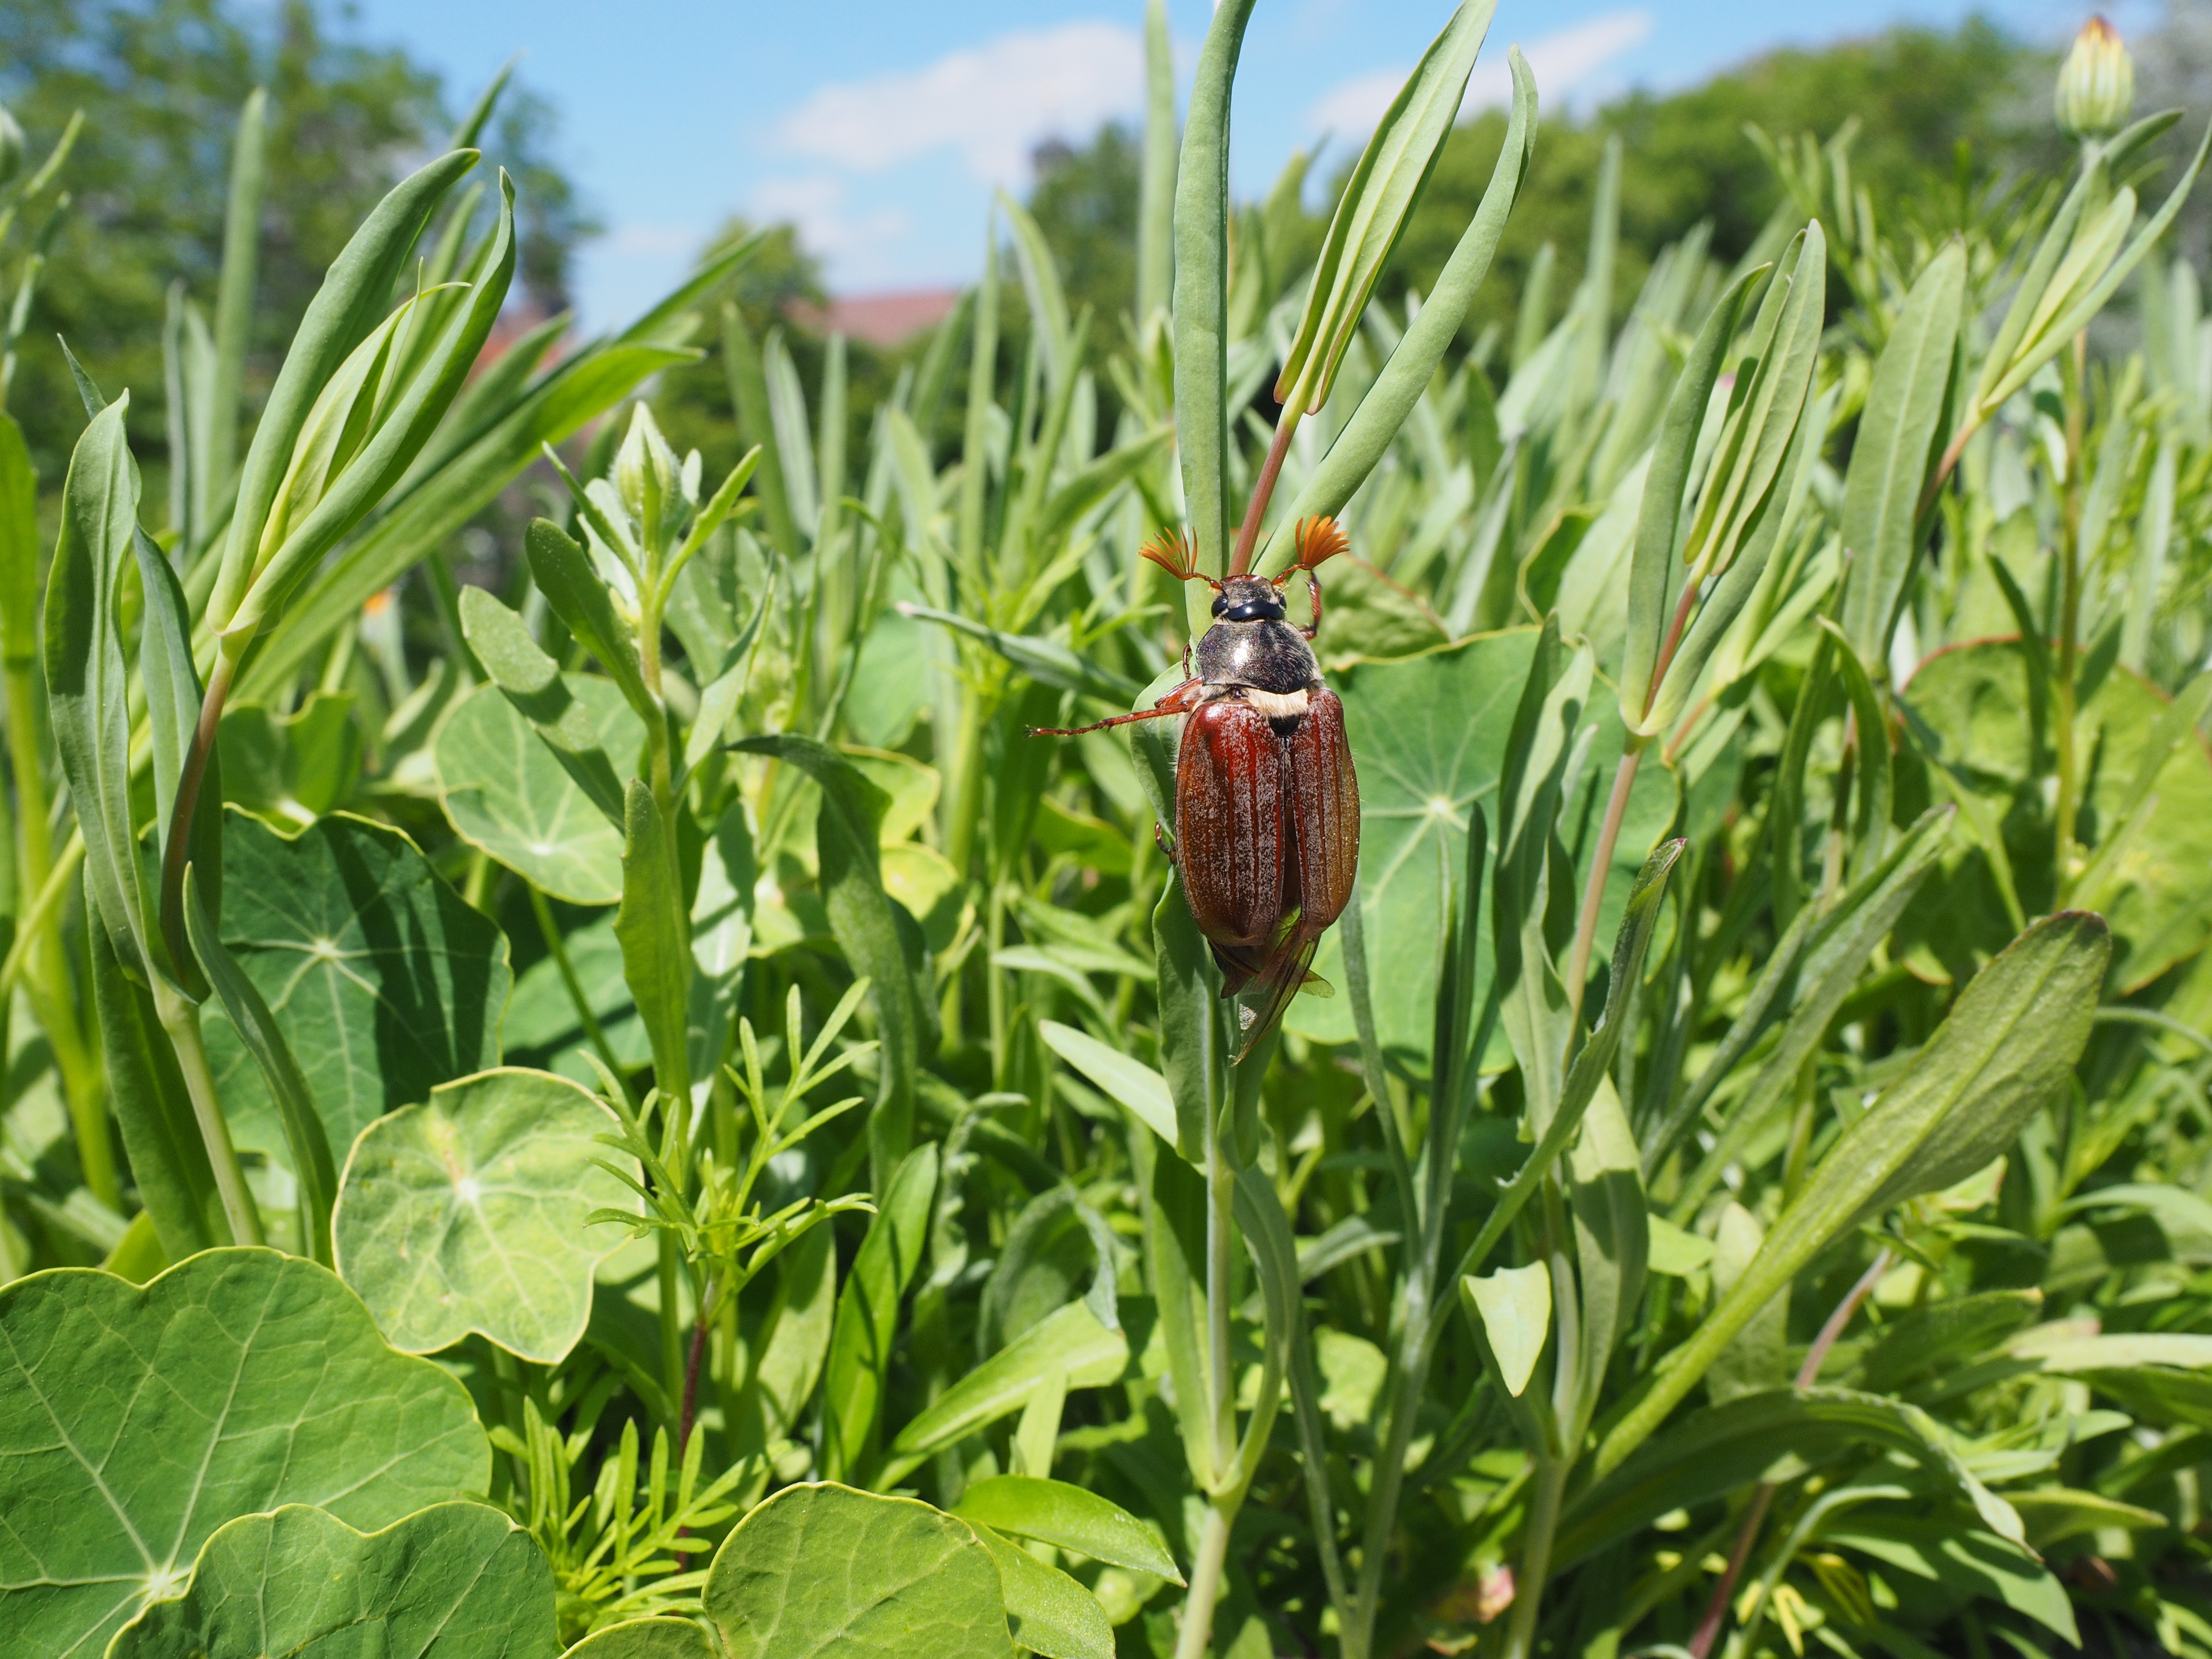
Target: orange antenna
{"x": 1316, "y": 540}
{"x": 1174, "y": 551}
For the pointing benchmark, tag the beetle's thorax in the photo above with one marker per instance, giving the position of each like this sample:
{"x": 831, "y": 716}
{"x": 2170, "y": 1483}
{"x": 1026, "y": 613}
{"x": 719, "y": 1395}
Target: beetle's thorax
{"x": 1267, "y": 656}
{"x": 1250, "y": 645}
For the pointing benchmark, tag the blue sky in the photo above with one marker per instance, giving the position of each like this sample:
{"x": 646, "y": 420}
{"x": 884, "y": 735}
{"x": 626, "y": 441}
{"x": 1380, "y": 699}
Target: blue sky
{"x": 881, "y": 130}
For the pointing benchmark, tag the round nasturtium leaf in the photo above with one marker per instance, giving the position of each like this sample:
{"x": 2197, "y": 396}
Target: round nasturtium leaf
{"x": 456, "y": 1581}
{"x": 135, "y": 1421}
{"x": 644, "y": 1639}
{"x": 822, "y": 1571}
{"x": 471, "y": 1212}
{"x": 1429, "y": 736}
{"x": 384, "y": 980}
{"x": 507, "y": 794}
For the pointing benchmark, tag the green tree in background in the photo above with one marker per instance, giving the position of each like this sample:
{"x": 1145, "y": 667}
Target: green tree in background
{"x": 161, "y": 85}
{"x": 1085, "y": 202}
{"x": 1919, "y": 95}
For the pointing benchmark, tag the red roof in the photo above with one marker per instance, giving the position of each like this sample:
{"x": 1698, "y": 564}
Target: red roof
{"x": 881, "y": 319}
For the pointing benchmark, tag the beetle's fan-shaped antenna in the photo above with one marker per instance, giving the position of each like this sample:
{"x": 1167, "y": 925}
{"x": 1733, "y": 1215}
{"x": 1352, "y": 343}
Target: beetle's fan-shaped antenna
{"x": 1317, "y": 540}
{"x": 1174, "y": 552}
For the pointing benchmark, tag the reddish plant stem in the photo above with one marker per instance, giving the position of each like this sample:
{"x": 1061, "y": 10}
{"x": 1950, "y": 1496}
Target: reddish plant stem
{"x": 1616, "y": 810}
{"x": 1709, "y": 1627}
{"x": 699, "y": 1332}
{"x": 1950, "y": 453}
{"x": 1263, "y": 488}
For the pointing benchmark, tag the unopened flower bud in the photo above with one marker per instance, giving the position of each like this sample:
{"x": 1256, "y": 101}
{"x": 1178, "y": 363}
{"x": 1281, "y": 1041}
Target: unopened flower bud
{"x": 2097, "y": 85}
{"x": 643, "y": 447}
{"x": 11, "y": 149}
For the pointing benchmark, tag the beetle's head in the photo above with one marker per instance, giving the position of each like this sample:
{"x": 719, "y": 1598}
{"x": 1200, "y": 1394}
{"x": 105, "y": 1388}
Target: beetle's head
{"x": 1249, "y": 598}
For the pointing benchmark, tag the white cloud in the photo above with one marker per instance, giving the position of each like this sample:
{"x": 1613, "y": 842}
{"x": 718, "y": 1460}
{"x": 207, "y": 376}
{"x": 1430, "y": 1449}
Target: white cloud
{"x": 654, "y": 239}
{"x": 816, "y": 205}
{"x": 991, "y": 102}
{"x": 1559, "y": 61}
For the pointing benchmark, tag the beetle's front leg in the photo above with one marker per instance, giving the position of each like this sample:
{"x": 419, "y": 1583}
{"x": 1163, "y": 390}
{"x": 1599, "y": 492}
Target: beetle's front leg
{"x": 1313, "y": 586}
{"x": 1164, "y": 838}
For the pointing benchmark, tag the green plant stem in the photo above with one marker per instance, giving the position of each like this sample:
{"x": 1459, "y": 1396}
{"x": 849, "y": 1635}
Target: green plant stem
{"x": 2064, "y": 691}
{"x": 994, "y": 979}
{"x": 1609, "y": 837}
{"x": 42, "y": 910}
{"x": 1206, "y": 1571}
{"x": 1220, "y": 1264}
{"x": 1536, "y": 1557}
{"x": 180, "y": 1018}
{"x": 594, "y": 1031}
{"x": 40, "y": 943}
{"x": 967, "y": 791}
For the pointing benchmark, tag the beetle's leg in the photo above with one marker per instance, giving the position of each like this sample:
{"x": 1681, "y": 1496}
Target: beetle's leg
{"x": 1181, "y": 701}
{"x": 1313, "y": 586}
{"x": 1162, "y": 840}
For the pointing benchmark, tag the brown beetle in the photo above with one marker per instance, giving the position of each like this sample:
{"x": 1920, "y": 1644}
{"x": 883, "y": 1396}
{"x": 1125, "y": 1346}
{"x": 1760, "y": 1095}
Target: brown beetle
{"x": 1267, "y": 830}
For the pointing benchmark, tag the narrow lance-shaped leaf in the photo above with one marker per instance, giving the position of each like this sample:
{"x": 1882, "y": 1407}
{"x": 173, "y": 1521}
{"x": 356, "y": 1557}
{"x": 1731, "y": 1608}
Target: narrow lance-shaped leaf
{"x": 2006, "y": 1046}
{"x": 217, "y": 451}
{"x": 1595, "y": 1058}
{"x": 1377, "y": 201}
{"x": 1128, "y": 1079}
{"x": 1068, "y": 1517}
{"x": 1899, "y": 434}
{"x": 1813, "y": 968}
{"x": 353, "y": 296}
{"x": 404, "y": 420}
{"x": 1658, "y": 525}
{"x": 655, "y": 938}
{"x": 87, "y": 682}
{"x": 312, "y": 1164}
{"x": 532, "y": 681}
{"x": 1155, "y": 187}
{"x": 868, "y": 1310}
{"x": 146, "y": 1091}
{"x": 572, "y": 585}
{"x": 1201, "y": 292}
{"x": 1070, "y": 1342}
{"x": 172, "y": 714}
{"x": 1374, "y": 425}
{"x": 440, "y": 503}
{"x": 2059, "y": 325}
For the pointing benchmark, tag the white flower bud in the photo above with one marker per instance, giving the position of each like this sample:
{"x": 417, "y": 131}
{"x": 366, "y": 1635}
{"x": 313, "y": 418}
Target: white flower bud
{"x": 2097, "y": 85}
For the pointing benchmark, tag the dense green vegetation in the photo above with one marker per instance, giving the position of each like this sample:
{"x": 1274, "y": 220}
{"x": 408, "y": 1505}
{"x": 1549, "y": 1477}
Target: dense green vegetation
{"x": 631, "y": 1108}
